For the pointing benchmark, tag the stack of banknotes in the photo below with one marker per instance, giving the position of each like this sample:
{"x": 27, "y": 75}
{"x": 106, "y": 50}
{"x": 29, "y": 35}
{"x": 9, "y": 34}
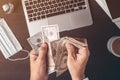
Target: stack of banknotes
{"x": 57, "y": 53}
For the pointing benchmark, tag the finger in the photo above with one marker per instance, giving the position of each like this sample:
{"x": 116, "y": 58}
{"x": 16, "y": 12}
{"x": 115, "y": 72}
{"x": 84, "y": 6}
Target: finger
{"x": 84, "y": 52}
{"x": 33, "y": 55}
{"x": 71, "y": 50}
{"x": 43, "y": 51}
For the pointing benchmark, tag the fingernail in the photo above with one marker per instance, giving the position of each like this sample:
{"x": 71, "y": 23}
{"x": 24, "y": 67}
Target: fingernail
{"x": 43, "y": 45}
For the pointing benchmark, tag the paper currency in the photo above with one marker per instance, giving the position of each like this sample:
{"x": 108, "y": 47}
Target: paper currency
{"x": 35, "y": 41}
{"x": 50, "y": 33}
{"x": 57, "y": 53}
{"x": 60, "y": 53}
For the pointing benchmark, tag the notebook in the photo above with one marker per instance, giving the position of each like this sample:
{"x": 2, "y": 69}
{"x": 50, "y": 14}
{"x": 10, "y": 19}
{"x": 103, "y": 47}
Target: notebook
{"x": 68, "y": 14}
{"x": 111, "y": 7}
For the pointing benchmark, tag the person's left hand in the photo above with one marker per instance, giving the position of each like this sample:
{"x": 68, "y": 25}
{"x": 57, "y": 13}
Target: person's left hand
{"x": 38, "y": 69}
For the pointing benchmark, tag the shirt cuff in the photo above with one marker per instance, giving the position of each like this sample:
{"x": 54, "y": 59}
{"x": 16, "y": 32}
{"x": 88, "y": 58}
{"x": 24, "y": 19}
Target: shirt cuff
{"x": 86, "y": 79}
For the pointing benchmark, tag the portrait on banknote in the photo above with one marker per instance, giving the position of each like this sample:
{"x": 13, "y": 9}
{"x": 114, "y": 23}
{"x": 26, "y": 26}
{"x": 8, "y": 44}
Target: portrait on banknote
{"x": 50, "y": 33}
{"x": 35, "y": 41}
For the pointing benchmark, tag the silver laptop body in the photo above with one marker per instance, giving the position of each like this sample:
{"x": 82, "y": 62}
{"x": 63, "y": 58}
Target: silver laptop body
{"x": 71, "y": 19}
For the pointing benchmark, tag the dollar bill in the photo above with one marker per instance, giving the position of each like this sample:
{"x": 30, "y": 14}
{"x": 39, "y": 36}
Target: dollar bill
{"x": 60, "y": 53}
{"x": 50, "y": 33}
{"x": 35, "y": 41}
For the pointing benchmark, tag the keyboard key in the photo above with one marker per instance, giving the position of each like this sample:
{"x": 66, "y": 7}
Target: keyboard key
{"x": 35, "y": 2}
{"x": 28, "y": 7}
{"x": 30, "y": 15}
{"x": 34, "y": 18}
{"x": 79, "y": 4}
{"x": 38, "y": 13}
{"x": 31, "y": 3}
{"x": 30, "y": 11}
{"x": 26, "y": 3}
{"x": 30, "y": 19}
{"x": 67, "y": 11}
{"x": 43, "y": 16}
{"x": 34, "y": 14}
{"x": 46, "y": 11}
{"x": 38, "y": 17}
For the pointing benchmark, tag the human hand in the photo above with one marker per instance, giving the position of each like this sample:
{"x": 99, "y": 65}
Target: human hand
{"x": 38, "y": 62}
{"x": 77, "y": 61}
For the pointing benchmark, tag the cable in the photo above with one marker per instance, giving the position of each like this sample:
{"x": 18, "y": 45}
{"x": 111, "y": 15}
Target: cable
{"x": 20, "y": 59}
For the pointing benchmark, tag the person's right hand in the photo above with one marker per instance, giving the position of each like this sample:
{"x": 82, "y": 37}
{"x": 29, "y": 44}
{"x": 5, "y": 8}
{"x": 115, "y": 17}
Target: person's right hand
{"x": 77, "y": 61}
{"x": 38, "y": 63}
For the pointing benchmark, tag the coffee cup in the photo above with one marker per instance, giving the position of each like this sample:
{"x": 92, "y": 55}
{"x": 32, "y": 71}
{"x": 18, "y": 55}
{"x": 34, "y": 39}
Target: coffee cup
{"x": 113, "y": 45}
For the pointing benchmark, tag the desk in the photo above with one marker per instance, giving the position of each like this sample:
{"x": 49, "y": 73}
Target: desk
{"x": 102, "y": 65}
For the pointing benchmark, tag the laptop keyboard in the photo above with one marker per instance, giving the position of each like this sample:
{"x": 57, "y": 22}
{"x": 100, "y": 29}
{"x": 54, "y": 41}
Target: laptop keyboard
{"x": 40, "y": 9}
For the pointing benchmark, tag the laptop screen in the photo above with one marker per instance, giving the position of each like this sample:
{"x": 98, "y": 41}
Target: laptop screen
{"x": 114, "y": 6}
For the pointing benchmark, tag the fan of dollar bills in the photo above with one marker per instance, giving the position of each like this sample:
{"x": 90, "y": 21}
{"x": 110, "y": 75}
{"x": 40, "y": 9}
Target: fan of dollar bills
{"x": 57, "y": 54}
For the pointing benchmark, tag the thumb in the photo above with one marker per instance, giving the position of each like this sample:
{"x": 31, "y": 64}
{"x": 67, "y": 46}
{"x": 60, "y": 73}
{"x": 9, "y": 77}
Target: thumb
{"x": 70, "y": 50}
{"x": 83, "y": 53}
{"x": 42, "y": 51}
{"x": 33, "y": 55}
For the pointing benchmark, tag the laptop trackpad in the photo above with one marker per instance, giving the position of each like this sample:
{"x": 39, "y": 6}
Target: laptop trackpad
{"x": 80, "y": 19}
{"x": 63, "y": 21}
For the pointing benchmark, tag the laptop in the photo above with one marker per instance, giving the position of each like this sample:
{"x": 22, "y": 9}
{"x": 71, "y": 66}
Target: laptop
{"x": 68, "y": 14}
{"x": 114, "y": 12}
